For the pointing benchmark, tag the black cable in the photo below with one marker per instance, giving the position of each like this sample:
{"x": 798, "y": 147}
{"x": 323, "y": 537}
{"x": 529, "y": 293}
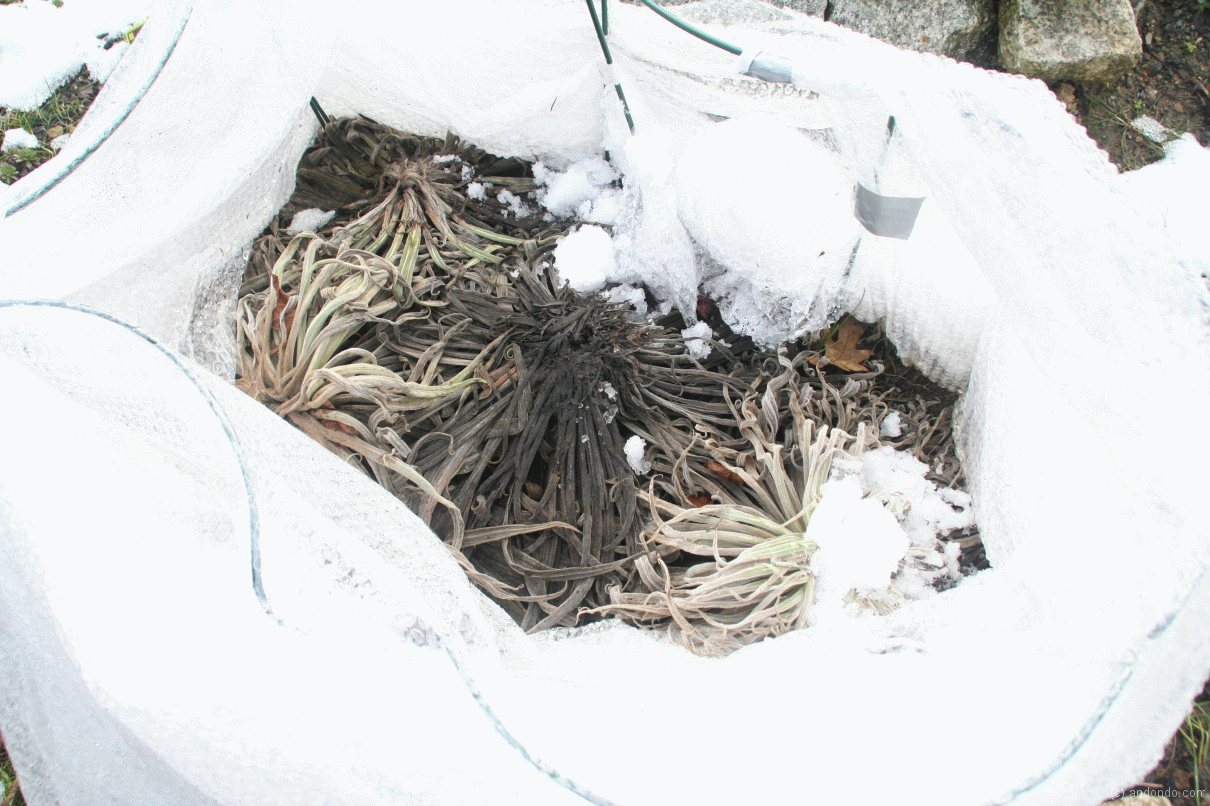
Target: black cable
{"x": 320, "y": 115}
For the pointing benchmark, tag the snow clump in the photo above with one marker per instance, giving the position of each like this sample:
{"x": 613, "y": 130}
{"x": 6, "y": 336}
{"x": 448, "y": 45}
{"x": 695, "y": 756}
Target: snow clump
{"x": 584, "y": 259}
{"x": 585, "y": 191}
{"x": 310, "y": 220}
{"x": 878, "y": 528}
{"x": 18, "y": 138}
{"x": 516, "y": 205}
{"x": 635, "y": 448}
{"x": 697, "y": 339}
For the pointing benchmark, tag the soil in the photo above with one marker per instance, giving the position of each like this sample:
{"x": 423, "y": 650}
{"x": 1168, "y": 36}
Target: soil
{"x": 1170, "y": 84}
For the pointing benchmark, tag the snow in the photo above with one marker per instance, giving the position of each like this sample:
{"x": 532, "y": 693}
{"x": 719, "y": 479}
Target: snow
{"x": 1152, "y": 129}
{"x": 879, "y": 526}
{"x": 696, "y": 339}
{"x": 515, "y": 204}
{"x": 891, "y": 426}
{"x": 584, "y": 259}
{"x": 310, "y": 220}
{"x": 1057, "y": 639}
{"x": 60, "y": 141}
{"x": 860, "y": 546}
{"x": 777, "y": 215}
{"x": 635, "y": 448}
{"x": 18, "y": 138}
{"x": 630, "y": 295}
{"x": 42, "y": 46}
{"x": 651, "y": 242}
{"x": 442, "y": 159}
{"x": 583, "y": 191}
{"x": 1171, "y": 195}
{"x": 476, "y": 191}
{"x": 900, "y": 480}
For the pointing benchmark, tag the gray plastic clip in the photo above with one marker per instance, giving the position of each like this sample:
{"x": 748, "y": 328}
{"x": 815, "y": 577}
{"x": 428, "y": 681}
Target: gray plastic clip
{"x": 773, "y": 69}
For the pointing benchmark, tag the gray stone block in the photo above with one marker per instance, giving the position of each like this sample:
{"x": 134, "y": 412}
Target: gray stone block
{"x": 815, "y": 8}
{"x": 954, "y": 28}
{"x": 1081, "y": 40}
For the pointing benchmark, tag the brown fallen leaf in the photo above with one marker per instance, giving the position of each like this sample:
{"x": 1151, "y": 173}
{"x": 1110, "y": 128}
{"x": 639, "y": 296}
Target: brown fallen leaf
{"x": 842, "y": 351}
{"x": 282, "y": 301}
{"x": 500, "y": 378}
{"x": 339, "y": 426}
{"x": 721, "y": 470}
{"x": 699, "y": 499}
{"x": 1067, "y": 94}
{"x": 278, "y": 295}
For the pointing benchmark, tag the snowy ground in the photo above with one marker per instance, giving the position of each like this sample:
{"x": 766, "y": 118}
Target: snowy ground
{"x": 44, "y": 43}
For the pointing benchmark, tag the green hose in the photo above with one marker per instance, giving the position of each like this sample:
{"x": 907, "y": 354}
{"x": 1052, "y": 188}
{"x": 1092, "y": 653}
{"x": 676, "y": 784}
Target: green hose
{"x": 596, "y": 24}
{"x": 698, "y": 32}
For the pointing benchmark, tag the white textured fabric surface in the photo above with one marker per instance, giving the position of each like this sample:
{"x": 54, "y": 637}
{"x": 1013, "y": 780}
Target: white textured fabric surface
{"x": 139, "y": 664}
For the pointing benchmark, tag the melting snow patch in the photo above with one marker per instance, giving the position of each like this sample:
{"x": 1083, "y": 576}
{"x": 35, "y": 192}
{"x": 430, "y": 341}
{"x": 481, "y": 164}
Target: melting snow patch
{"x": 516, "y": 205}
{"x": 892, "y": 426}
{"x": 477, "y": 191}
{"x": 697, "y": 339}
{"x": 629, "y": 295}
{"x": 585, "y": 190}
{"x": 1152, "y": 129}
{"x": 18, "y": 138}
{"x": 899, "y": 480}
{"x": 878, "y": 527}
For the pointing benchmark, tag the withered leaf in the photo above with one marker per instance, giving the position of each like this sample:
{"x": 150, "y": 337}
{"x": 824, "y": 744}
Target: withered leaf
{"x": 721, "y": 470}
{"x": 842, "y": 351}
{"x": 699, "y": 499}
{"x": 339, "y": 426}
{"x": 283, "y": 299}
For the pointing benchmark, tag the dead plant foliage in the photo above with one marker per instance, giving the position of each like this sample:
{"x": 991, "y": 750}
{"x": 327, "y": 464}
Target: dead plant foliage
{"x": 424, "y": 336}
